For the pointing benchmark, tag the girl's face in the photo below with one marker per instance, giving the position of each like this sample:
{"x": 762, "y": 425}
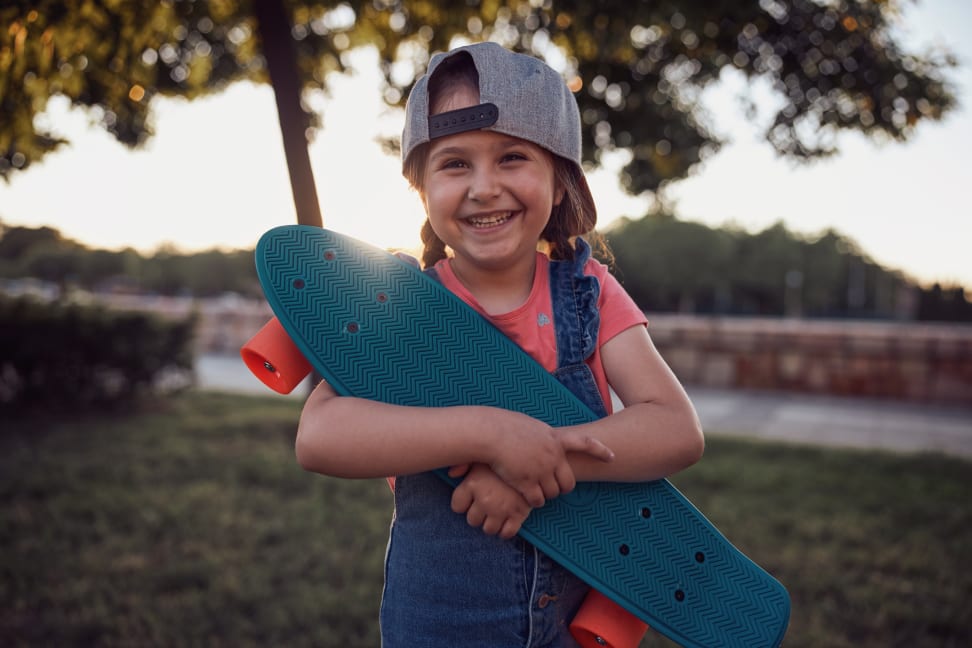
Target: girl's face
{"x": 489, "y": 196}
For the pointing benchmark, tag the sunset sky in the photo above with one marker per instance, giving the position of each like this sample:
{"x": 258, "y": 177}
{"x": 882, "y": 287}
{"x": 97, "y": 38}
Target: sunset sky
{"x": 214, "y": 173}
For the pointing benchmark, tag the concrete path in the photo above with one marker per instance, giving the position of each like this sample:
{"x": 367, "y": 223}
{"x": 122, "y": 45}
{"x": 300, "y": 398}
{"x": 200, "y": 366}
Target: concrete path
{"x": 228, "y": 373}
{"x": 832, "y": 421}
{"x": 778, "y": 416}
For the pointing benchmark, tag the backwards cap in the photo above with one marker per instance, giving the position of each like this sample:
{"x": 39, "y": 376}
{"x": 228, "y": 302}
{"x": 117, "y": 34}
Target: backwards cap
{"x": 521, "y": 96}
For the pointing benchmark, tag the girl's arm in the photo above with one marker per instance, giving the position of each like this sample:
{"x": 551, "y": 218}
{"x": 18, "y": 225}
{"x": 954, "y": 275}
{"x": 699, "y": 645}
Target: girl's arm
{"x": 357, "y": 438}
{"x": 655, "y": 435}
{"x": 658, "y": 432}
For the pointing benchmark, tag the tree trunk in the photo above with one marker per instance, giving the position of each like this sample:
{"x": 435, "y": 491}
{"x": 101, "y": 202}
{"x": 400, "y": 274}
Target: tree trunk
{"x": 273, "y": 26}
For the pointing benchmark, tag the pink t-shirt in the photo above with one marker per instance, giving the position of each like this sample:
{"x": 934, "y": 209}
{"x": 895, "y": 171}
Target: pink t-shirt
{"x": 531, "y": 325}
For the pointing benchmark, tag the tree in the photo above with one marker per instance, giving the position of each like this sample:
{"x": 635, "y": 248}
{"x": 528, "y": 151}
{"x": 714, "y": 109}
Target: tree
{"x": 638, "y": 67}
{"x": 762, "y": 264}
{"x": 16, "y": 241}
{"x": 672, "y": 265}
{"x": 944, "y": 304}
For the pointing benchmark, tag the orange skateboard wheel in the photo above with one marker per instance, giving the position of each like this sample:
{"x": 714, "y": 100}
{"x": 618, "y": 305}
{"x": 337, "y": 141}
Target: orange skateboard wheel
{"x": 600, "y": 623}
{"x": 274, "y": 359}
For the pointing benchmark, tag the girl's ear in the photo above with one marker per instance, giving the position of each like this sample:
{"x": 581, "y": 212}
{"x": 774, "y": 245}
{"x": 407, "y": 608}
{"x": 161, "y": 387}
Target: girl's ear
{"x": 559, "y": 193}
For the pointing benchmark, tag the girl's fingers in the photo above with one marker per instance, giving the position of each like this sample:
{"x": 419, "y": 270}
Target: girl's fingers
{"x": 535, "y": 496}
{"x": 461, "y": 500}
{"x": 510, "y": 529}
{"x": 475, "y": 517}
{"x": 492, "y": 526}
{"x": 566, "y": 479}
{"x": 586, "y": 444}
{"x": 552, "y": 486}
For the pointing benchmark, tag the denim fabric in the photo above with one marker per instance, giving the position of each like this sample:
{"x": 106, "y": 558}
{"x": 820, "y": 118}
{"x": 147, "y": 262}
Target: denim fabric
{"x": 448, "y": 584}
{"x": 576, "y": 322}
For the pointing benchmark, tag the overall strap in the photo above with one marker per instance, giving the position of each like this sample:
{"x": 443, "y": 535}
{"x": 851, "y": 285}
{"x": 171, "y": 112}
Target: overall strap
{"x": 576, "y": 324}
{"x": 432, "y": 273}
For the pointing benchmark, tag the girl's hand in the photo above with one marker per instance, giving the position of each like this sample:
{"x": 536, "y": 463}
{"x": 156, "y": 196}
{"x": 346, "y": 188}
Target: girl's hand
{"x": 488, "y": 502}
{"x": 531, "y": 457}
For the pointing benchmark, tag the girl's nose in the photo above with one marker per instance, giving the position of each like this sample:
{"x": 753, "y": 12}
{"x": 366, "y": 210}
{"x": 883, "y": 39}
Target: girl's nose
{"x": 484, "y": 185}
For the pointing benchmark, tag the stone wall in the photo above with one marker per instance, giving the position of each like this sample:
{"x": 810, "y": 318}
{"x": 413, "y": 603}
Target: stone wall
{"x": 930, "y": 363}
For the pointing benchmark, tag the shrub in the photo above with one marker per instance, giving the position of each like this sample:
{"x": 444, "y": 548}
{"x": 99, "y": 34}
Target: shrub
{"x": 70, "y": 356}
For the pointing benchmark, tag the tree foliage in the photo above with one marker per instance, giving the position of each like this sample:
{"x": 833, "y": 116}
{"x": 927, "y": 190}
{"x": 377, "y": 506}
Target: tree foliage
{"x": 668, "y": 265}
{"x": 42, "y": 253}
{"x": 637, "y": 67}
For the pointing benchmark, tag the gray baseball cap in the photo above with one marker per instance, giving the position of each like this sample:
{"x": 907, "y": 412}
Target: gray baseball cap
{"x": 520, "y": 95}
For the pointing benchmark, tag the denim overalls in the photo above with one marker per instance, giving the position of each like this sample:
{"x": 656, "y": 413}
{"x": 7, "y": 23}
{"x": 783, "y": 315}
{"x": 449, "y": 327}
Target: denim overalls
{"x": 476, "y": 590}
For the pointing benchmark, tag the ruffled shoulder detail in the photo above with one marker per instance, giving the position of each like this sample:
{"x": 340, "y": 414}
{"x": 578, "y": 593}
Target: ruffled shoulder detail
{"x": 586, "y": 290}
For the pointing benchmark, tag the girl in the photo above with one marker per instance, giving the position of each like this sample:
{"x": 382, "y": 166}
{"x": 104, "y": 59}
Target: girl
{"x": 492, "y": 144}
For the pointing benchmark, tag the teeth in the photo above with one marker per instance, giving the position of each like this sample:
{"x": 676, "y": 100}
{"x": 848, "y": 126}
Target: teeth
{"x": 489, "y": 221}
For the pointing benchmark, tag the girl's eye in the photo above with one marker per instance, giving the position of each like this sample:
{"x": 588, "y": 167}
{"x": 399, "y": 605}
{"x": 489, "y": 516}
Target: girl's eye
{"x": 513, "y": 157}
{"x": 453, "y": 164}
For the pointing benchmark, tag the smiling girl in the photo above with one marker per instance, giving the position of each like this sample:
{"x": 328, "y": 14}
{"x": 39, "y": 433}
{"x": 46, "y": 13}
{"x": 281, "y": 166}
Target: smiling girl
{"x": 492, "y": 144}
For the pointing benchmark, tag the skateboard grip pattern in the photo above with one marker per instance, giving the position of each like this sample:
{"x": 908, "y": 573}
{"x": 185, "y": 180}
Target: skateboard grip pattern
{"x": 375, "y": 327}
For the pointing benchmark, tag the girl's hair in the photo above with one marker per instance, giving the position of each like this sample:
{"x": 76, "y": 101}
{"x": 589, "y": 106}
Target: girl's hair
{"x": 576, "y": 214}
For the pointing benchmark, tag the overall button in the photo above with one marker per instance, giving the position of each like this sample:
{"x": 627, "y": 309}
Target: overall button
{"x": 545, "y": 600}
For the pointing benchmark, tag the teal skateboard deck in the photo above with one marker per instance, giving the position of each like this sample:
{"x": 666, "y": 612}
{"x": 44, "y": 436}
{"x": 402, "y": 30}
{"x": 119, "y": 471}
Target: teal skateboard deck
{"x": 376, "y": 327}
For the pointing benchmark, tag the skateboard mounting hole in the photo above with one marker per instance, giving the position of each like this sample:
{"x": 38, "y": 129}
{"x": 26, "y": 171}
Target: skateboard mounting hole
{"x": 624, "y": 549}
{"x": 679, "y": 595}
{"x": 353, "y": 327}
{"x": 646, "y": 512}
{"x": 699, "y": 557}
{"x": 329, "y": 255}
{"x": 269, "y": 367}
{"x": 382, "y": 298}
{"x": 298, "y": 283}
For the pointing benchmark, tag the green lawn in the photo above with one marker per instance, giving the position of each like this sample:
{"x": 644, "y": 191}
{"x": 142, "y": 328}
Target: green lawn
{"x": 191, "y": 524}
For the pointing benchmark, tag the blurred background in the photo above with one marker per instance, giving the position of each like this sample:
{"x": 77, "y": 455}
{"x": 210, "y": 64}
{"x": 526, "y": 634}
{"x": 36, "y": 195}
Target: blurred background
{"x": 782, "y": 183}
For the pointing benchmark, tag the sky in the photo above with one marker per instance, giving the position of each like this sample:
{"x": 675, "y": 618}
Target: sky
{"x": 214, "y": 173}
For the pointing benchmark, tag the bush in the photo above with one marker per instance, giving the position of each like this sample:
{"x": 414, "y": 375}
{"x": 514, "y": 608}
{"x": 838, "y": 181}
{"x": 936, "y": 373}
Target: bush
{"x": 69, "y": 356}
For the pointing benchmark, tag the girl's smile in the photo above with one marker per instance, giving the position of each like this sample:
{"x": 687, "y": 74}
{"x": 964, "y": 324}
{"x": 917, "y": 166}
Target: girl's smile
{"x": 486, "y": 222}
{"x": 489, "y": 197}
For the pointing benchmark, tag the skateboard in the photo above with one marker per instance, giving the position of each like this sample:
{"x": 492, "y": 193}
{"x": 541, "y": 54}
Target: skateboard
{"x": 375, "y": 326}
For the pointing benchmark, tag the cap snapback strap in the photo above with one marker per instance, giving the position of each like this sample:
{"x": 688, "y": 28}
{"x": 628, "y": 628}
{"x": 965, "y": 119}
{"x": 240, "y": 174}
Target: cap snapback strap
{"x": 464, "y": 119}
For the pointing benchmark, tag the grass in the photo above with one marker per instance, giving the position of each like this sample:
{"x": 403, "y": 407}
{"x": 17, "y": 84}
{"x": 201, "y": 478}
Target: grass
{"x": 190, "y": 524}
{"x": 872, "y": 547}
